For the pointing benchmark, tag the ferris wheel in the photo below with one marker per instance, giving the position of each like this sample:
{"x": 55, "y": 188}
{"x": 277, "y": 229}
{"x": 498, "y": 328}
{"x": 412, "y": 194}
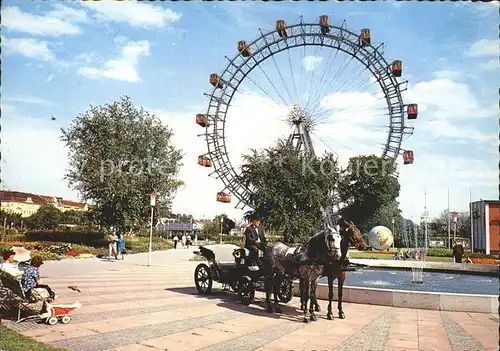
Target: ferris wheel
{"x": 305, "y": 111}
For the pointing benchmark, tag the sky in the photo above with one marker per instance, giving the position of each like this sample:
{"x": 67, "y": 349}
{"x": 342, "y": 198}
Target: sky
{"x": 58, "y": 58}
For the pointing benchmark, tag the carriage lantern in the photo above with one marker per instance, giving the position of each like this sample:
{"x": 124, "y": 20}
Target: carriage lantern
{"x": 397, "y": 68}
{"x": 216, "y": 81}
{"x": 324, "y": 23}
{"x": 365, "y": 37}
{"x": 281, "y": 28}
{"x": 223, "y": 197}
{"x": 204, "y": 161}
{"x": 202, "y": 120}
{"x": 412, "y": 111}
{"x": 408, "y": 157}
{"x": 244, "y": 49}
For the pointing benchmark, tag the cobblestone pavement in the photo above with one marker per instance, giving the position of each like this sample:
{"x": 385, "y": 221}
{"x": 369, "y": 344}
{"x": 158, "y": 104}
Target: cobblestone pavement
{"x": 128, "y": 306}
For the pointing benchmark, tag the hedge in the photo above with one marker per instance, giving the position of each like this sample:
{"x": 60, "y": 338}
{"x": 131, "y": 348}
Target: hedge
{"x": 90, "y": 238}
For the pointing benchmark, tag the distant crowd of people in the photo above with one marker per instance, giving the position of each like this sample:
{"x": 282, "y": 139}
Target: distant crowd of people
{"x": 185, "y": 241}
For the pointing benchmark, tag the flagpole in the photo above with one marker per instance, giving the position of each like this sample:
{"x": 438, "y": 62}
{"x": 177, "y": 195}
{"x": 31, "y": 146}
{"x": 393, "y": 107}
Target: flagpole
{"x": 448, "y": 220}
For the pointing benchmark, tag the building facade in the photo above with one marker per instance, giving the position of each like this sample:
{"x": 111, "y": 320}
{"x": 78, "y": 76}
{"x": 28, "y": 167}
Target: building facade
{"x": 27, "y": 204}
{"x": 485, "y": 226}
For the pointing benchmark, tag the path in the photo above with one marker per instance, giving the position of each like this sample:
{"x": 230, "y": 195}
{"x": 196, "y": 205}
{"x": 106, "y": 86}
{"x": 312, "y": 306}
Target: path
{"x": 128, "y": 306}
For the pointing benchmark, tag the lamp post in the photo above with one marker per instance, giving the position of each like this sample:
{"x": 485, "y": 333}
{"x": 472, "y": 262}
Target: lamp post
{"x": 221, "y": 224}
{"x": 393, "y": 234}
{"x": 454, "y": 215}
{"x": 152, "y": 203}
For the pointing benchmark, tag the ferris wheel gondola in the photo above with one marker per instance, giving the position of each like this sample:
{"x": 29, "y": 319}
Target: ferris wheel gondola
{"x": 252, "y": 55}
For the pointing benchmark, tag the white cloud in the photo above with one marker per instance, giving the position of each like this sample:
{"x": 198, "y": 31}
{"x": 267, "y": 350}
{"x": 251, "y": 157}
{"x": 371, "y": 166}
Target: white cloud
{"x": 29, "y": 47}
{"x": 484, "y": 47}
{"x": 124, "y": 68}
{"x": 491, "y": 65}
{"x": 312, "y": 62}
{"x": 446, "y": 99}
{"x": 134, "y": 13}
{"x": 54, "y": 23}
{"x": 49, "y": 78}
{"x": 29, "y": 100}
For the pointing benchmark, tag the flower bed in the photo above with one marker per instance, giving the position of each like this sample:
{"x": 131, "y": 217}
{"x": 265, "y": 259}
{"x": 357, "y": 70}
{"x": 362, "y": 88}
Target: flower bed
{"x": 490, "y": 261}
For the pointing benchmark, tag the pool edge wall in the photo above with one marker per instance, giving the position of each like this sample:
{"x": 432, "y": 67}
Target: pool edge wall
{"x": 412, "y": 299}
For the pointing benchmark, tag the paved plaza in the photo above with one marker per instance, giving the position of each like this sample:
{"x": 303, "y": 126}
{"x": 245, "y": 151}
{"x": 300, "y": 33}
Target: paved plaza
{"x": 128, "y": 306}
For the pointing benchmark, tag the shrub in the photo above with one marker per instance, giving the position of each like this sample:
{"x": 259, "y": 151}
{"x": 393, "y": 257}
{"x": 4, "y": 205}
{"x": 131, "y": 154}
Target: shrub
{"x": 90, "y": 238}
{"x": 45, "y": 255}
{"x": 141, "y": 244}
{"x": 439, "y": 252}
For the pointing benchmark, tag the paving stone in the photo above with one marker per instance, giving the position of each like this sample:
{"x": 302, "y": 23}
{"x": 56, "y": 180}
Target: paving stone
{"x": 460, "y": 340}
{"x": 93, "y": 317}
{"x": 257, "y": 339}
{"x": 372, "y": 337}
{"x": 109, "y": 341}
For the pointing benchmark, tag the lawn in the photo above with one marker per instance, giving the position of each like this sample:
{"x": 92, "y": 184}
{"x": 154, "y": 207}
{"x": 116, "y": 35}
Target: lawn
{"x": 13, "y": 341}
{"x": 386, "y": 256}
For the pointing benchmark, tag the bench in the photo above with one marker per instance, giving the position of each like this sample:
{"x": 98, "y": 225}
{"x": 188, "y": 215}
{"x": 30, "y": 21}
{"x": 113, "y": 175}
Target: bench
{"x": 14, "y": 285}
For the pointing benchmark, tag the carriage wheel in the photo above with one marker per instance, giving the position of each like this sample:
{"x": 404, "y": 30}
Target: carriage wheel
{"x": 246, "y": 291}
{"x": 235, "y": 286}
{"x": 203, "y": 279}
{"x": 65, "y": 319}
{"x": 285, "y": 293}
{"x": 52, "y": 321}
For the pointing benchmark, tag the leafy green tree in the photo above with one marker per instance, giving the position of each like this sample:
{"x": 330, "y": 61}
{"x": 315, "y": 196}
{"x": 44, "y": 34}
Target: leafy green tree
{"x": 368, "y": 188}
{"x": 439, "y": 225}
{"x": 47, "y": 217}
{"x": 9, "y": 218}
{"x": 290, "y": 188}
{"x": 118, "y": 154}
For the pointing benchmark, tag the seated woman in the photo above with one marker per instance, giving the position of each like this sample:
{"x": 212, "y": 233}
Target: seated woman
{"x": 8, "y": 265}
{"x": 31, "y": 279}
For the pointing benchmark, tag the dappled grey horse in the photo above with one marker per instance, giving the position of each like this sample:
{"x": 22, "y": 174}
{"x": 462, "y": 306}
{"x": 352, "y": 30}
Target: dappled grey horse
{"x": 305, "y": 262}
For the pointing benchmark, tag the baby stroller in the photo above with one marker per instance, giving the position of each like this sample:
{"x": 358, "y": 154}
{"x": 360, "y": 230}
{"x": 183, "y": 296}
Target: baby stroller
{"x": 57, "y": 312}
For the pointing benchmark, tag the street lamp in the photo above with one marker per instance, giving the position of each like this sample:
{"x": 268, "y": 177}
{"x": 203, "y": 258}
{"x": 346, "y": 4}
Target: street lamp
{"x": 221, "y": 223}
{"x": 152, "y": 203}
{"x": 393, "y": 234}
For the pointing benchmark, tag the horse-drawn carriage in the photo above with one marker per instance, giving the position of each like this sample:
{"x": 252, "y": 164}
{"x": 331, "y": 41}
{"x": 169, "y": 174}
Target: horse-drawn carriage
{"x": 229, "y": 265}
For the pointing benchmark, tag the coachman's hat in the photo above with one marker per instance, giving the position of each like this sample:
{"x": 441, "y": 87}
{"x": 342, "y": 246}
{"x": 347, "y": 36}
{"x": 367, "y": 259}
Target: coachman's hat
{"x": 255, "y": 217}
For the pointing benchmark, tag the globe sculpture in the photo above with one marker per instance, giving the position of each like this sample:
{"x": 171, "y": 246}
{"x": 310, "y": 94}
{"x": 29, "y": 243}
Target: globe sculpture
{"x": 380, "y": 238}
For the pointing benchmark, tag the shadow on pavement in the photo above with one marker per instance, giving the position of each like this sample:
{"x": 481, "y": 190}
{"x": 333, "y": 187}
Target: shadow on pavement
{"x": 228, "y": 300}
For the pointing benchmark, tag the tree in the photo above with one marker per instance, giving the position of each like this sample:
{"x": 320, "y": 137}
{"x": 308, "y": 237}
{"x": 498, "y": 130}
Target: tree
{"x": 439, "y": 225}
{"x": 118, "y": 154}
{"x": 368, "y": 188}
{"x": 47, "y": 217}
{"x": 384, "y": 215}
{"x": 10, "y": 219}
{"x": 290, "y": 188}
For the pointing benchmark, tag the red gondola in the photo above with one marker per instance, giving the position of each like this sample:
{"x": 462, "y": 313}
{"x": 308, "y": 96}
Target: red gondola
{"x": 202, "y": 120}
{"x": 223, "y": 197}
{"x": 397, "y": 68}
{"x": 281, "y": 28}
{"x": 204, "y": 161}
{"x": 408, "y": 157}
{"x": 216, "y": 81}
{"x": 412, "y": 111}
{"x": 365, "y": 37}
{"x": 324, "y": 23}
{"x": 244, "y": 49}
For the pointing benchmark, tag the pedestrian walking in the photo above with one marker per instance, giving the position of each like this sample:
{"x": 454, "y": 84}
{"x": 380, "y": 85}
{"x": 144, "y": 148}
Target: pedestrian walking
{"x": 188, "y": 240}
{"x": 458, "y": 252}
{"x": 112, "y": 244}
{"x": 176, "y": 240}
{"x": 184, "y": 240}
{"x": 121, "y": 246}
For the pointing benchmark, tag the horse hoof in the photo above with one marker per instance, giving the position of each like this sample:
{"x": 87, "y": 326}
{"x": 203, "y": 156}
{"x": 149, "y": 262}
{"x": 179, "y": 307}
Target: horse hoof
{"x": 306, "y": 320}
{"x": 341, "y": 315}
{"x": 302, "y": 306}
{"x": 329, "y": 316}
{"x": 317, "y": 308}
{"x": 314, "y": 318}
